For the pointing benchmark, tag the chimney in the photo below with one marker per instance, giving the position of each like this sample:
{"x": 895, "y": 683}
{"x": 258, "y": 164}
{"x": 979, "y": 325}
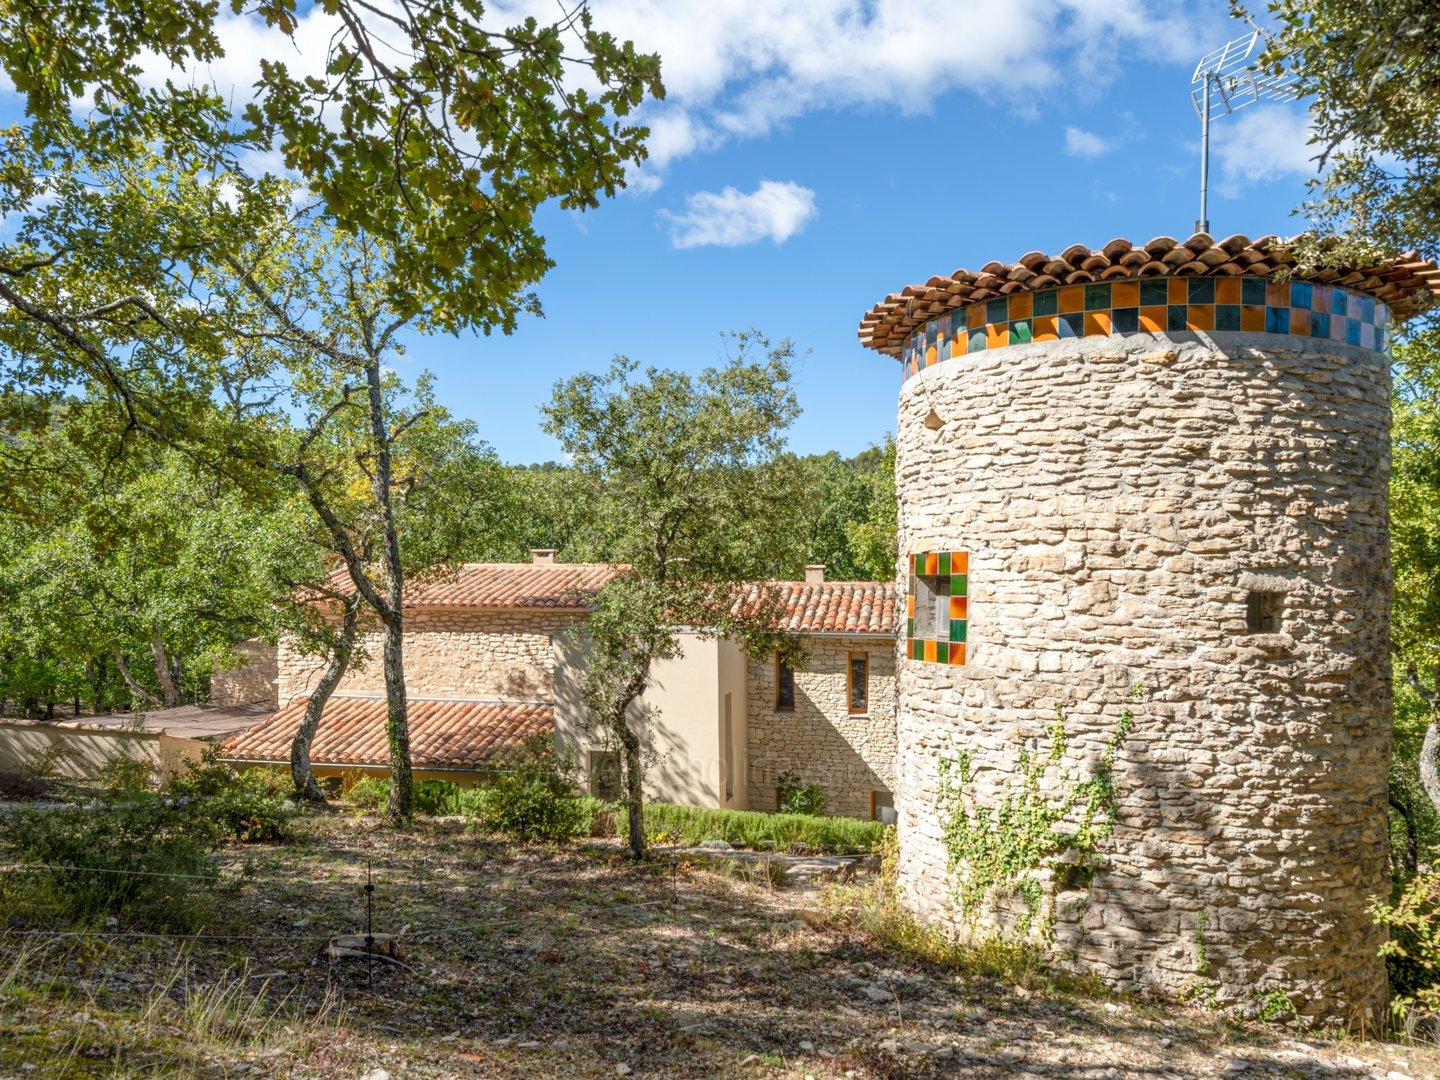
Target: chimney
{"x": 814, "y": 573}
{"x": 542, "y": 556}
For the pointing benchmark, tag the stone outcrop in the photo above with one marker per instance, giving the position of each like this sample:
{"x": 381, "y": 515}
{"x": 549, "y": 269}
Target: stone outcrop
{"x": 1121, "y": 498}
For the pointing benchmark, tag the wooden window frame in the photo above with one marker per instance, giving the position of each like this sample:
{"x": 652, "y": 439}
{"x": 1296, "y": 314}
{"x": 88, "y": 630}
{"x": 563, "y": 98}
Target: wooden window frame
{"x": 850, "y": 683}
{"x": 779, "y": 707}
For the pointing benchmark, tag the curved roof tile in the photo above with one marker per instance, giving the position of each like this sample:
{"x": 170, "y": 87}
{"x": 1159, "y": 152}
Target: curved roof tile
{"x": 1407, "y": 284}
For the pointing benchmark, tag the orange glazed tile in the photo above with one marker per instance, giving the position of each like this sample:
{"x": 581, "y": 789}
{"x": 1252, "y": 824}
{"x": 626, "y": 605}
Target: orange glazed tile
{"x": 997, "y": 335}
{"x": 932, "y": 562}
{"x": 1125, "y": 294}
{"x": 958, "y": 606}
{"x": 910, "y": 607}
{"x": 1179, "y": 290}
{"x": 1277, "y": 293}
{"x": 1021, "y": 305}
{"x": 1201, "y": 317}
{"x": 1097, "y": 323}
{"x": 1252, "y": 318}
{"x": 959, "y": 562}
{"x": 1152, "y": 320}
{"x": 1227, "y": 291}
{"x": 930, "y": 651}
{"x": 929, "y": 355}
{"x": 1043, "y": 328}
{"x": 957, "y": 653}
{"x": 1300, "y": 322}
{"x": 975, "y": 316}
{"x": 1072, "y": 298}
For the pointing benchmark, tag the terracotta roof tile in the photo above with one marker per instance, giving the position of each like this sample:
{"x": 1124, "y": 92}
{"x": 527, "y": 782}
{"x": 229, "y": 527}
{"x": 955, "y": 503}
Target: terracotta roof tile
{"x": 1407, "y": 284}
{"x": 443, "y": 734}
{"x": 833, "y": 607}
{"x": 563, "y": 586}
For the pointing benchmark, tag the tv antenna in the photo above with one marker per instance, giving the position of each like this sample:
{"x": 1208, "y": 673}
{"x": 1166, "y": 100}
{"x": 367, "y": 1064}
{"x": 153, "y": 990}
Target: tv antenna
{"x": 1226, "y": 78}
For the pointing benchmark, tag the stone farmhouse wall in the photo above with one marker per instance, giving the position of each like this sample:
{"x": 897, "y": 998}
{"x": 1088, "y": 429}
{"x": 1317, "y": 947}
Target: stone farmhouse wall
{"x": 454, "y": 653}
{"x": 253, "y": 683}
{"x": 849, "y": 755}
{"x": 1119, "y": 499}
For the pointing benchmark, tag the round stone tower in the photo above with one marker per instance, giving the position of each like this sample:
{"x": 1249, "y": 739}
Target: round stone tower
{"x": 1144, "y": 693}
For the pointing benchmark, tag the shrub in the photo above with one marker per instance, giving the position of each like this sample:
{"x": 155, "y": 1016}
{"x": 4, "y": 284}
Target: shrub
{"x": 533, "y": 797}
{"x": 369, "y": 793}
{"x": 143, "y": 857}
{"x": 22, "y": 784}
{"x": 798, "y": 798}
{"x": 250, "y": 805}
{"x": 691, "y": 825}
{"x": 1412, "y": 953}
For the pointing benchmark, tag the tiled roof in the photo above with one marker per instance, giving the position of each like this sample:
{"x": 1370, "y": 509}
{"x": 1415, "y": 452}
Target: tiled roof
{"x": 443, "y": 734}
{"x": 833, "y": 607}
{"x": 1406, "y": 284}
{"x": 563, "y": 586}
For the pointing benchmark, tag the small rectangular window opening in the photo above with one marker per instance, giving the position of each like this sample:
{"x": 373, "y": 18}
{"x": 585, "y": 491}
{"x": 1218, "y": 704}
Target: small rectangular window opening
{"x": 1262, "y": 612}
{"x": 859, "y": 682}
{"x": 784, "y": 686}
{"x": 605, "y": 774}
{"x": 882, "y": 807}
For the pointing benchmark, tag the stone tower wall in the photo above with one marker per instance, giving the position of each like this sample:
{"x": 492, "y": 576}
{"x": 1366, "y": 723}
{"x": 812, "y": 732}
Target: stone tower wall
{"x": 1119, "y": 497}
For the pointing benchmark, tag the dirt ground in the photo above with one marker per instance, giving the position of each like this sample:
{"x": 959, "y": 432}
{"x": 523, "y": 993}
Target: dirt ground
{"x": 537, "y": 962}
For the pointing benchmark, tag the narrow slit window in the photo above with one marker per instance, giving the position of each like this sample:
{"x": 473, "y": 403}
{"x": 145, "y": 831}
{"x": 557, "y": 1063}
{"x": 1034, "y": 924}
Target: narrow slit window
{"x": 605, "y": 774}
{"x": 784, "y": 686}
{"x": 1262, "y": 612}
{"x": 859, "y": 682}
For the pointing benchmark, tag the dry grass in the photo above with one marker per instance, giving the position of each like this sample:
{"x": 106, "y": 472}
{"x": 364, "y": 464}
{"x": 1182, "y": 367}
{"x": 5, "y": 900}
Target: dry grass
{"x": 534, "y": 961}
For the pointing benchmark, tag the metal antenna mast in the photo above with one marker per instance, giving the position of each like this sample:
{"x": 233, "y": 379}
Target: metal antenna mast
{"x": 1225, "y": 78}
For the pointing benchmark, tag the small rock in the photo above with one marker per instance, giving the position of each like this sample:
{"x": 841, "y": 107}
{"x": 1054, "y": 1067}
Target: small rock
{"x": 1165, "y": 1044}
{"x": 527, "y": 1046}
{"x": 890, "y": 1046}
{"x": 716, "y": 845}
{"x": 623, "y": 1070}
{"x": 945, "y": 1052}
{"x": 875, "y": 993}
{"x": 376, "y": 1074}
{"x": 806, "y": 1046}
{"x": 1395, "y": 1074}
{"x": 749, "y": 1059}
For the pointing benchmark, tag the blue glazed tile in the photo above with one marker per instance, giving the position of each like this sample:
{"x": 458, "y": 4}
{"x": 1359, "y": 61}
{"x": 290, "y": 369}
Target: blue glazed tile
{"x": 1176, "y": 318}
{"x": 1154, "y": 293}
{"x": 1127, "y": 320}
{"x": 1339, "y": 301}
{"x": 1227, "y": 316}
{"x": 1300, "y": 294}
{"x": 1202, "y": 290}
{"x": 997, "y": 310}
{"x": 1097, "y": 297}
{"x": 1252, "y": 291}
{"x": 1072, "y": 325}
{"x": 1352, "y": 331}
{"x": 1367, "y": 310}
{"x": 1320, "y": 324}
{"x": 1277, "y": 320}
{"x": 1047, "y": 302}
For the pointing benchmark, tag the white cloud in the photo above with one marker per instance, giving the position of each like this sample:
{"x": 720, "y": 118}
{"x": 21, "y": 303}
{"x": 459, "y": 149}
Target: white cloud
{"x": 1262, "y": 143}
{"x": 731, "y": 218}
{"x": 1082, "y": 143}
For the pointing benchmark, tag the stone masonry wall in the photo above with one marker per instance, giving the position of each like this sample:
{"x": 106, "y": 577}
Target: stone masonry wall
{"x": 1119, "y": 499}
{"x": 454, "y": 653}
{"x": 849, "y": 755}
{"x": 253, "y": 683}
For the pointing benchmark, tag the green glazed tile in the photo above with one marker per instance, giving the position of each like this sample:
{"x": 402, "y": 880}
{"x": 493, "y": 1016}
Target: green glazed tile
{"x": 1097, "y": 297}
{"x": 943, "y": 569}
{"x": 957, "y": 630}
{"x": 1047, "y": 303}
{"x": 1154, "y": 293}
{"x": 958, "y": 584}
{"x": 1020, "y": 332}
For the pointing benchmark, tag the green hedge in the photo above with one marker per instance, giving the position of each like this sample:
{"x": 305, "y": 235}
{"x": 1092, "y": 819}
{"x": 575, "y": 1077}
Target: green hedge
{"x": 666, "y": 823}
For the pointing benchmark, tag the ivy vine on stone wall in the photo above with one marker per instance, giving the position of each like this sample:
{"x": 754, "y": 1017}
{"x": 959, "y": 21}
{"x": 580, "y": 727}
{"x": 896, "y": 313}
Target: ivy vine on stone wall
{"x": 1044, "y": 825}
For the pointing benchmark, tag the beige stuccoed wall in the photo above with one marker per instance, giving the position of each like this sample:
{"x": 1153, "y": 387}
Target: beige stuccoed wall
{"x": 849, "y": 755}
{"x": 458, "y": 653}
{"x": 1118, "y": 497}
{"x": 683, "y": 738}
{"x": 82, "y": 753}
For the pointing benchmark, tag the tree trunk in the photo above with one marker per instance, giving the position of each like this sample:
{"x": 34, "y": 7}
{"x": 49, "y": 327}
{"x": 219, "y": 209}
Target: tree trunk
{"x": 397, "y": 720}
{"x": 135, "y": 688}
{"x": 300, "y": 771}
{"x": 1430, "y": 761}
{"x": 634, "y": 782}
{"x": 162, "y": 672}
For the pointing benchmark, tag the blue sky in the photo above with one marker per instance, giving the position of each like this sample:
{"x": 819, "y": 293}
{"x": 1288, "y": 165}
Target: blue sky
{"x": 814, "y": 155}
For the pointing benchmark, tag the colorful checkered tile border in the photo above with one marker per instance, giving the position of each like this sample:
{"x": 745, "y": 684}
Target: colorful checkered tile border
{"x": 956, "y": 566}
{"x": 1153, "y": 306}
